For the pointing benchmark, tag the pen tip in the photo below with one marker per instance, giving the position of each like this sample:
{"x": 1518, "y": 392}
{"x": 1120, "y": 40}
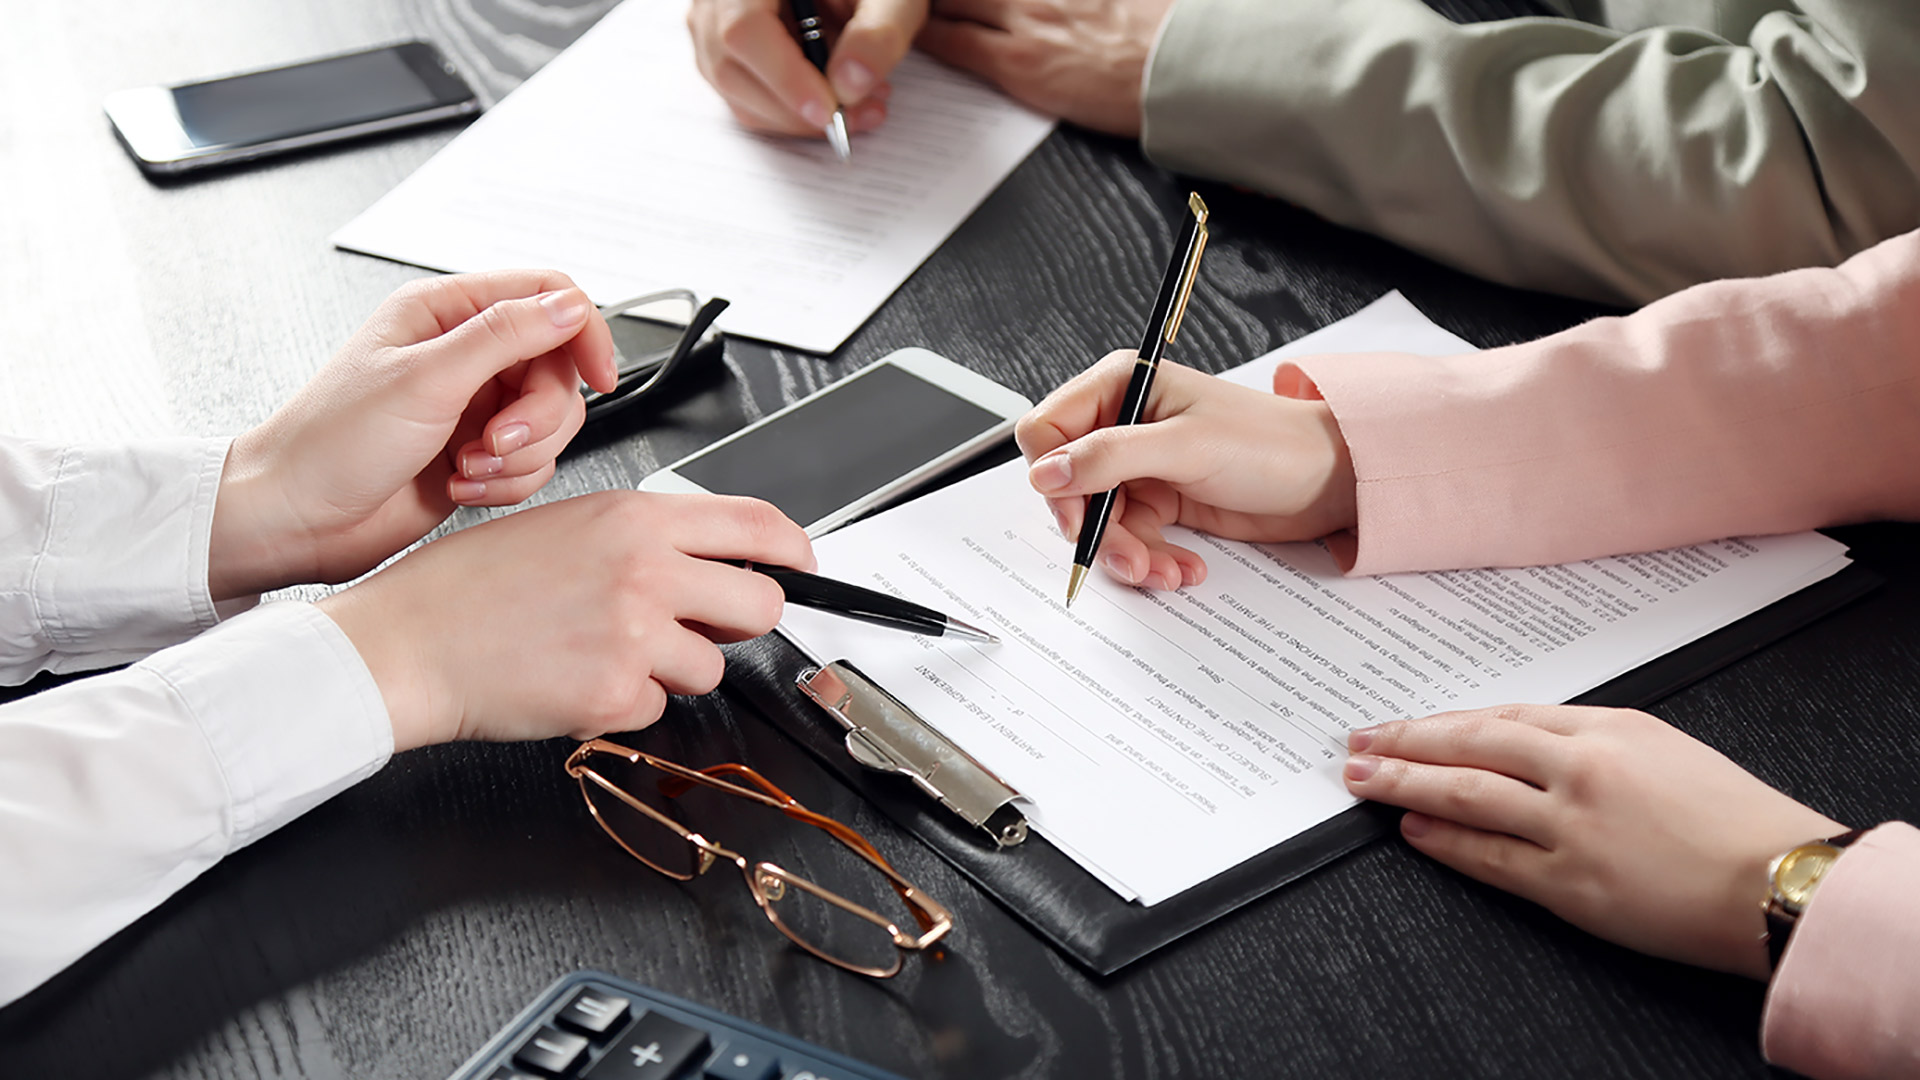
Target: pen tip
{"x": 968, "y": 630}
{"x": 1074, "y": 582}
{"x": 837, "y": 135}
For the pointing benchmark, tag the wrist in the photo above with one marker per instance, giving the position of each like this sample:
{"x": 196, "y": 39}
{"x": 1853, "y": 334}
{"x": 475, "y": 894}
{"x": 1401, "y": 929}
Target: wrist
{"x": 1793, "y": 879}
{"x": 396, "y": 659}
{"x": 1340, "y": 496}
{"x": 256, "y": 545}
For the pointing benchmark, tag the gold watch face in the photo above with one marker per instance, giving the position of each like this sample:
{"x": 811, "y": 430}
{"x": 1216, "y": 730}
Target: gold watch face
{"x": 1798, "y": 873}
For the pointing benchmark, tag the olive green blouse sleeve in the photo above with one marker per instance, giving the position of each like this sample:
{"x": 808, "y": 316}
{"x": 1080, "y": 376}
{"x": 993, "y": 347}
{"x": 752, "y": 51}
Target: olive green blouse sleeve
{"x": 1614, "y": 164}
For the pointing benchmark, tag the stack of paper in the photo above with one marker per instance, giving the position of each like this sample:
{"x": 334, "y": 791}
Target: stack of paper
{"x": 619, "y": 165}
{"x": 1163, "y": 737}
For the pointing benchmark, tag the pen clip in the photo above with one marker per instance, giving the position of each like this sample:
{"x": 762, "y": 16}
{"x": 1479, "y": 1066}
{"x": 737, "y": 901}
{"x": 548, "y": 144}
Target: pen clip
{"x": 1191, "y": 271}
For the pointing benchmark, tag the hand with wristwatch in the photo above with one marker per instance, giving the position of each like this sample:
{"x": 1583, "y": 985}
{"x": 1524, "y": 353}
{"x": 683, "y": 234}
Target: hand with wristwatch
{"x": 1611, "y": 819}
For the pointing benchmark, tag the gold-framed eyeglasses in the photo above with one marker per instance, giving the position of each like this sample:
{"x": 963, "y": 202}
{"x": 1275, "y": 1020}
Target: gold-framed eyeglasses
{"x": 653, "y": 335}
{"x": 844, "y": 903}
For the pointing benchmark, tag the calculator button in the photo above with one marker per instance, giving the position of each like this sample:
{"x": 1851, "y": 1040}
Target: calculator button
{"x": 551, "y": 1051}
{"x": 654, "y": 1048}
{"x": 508, "y": 1072}
{"x": 594, "y": 1013}
{"x": 735, "y": 1063}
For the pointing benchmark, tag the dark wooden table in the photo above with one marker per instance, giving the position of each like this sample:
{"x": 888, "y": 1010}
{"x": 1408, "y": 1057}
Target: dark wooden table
{"x": 388, "y": 933}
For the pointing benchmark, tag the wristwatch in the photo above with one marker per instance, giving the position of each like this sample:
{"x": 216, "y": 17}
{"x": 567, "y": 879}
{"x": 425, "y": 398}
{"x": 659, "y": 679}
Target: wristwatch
{"x": 1791, "y": 881}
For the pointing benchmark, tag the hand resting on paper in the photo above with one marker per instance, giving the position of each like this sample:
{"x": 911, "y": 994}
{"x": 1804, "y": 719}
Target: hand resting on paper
{"x": 1213, "y": 456}
{"x": 1609, "y": 818}
{"x": 1084, "y": 61}
{"x": 457, "y": 391}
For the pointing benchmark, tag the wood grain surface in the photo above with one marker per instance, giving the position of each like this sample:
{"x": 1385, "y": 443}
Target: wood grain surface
{"x": 391, "y": 931}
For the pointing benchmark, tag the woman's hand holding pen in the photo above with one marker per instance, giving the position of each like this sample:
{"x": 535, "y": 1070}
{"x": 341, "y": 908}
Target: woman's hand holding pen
{"x": 458, "y": 391}
{"x": 746, "y": 50}
{"x": 1213, "y": 456}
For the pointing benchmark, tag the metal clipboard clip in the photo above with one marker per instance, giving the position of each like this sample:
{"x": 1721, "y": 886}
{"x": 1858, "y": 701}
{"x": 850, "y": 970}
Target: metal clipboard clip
{"x": 884, "y": 735}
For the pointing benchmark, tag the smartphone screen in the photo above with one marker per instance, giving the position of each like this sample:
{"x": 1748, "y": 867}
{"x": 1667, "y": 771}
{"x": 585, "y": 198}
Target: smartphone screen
{"x": 321, "y": 95}
{"x": 843, "y": 445}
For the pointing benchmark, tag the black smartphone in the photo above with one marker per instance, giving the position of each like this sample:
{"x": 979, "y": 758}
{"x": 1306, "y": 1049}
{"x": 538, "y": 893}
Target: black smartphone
{"x": 174, "y": 129}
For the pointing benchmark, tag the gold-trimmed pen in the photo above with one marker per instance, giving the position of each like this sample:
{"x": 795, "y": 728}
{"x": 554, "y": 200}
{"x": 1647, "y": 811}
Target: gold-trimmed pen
{"x": 1169, "y": 308}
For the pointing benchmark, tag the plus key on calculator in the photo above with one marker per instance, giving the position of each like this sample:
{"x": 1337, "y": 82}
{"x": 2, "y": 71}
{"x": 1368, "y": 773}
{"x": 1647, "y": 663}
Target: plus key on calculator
{"x": 592, "y": 1026}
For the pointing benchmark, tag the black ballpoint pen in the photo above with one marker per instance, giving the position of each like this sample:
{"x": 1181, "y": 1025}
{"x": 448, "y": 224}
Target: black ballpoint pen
{"x": 813, "y": 45}
{"x": 867, "y": 605}
{"x": 1168, "y": 309}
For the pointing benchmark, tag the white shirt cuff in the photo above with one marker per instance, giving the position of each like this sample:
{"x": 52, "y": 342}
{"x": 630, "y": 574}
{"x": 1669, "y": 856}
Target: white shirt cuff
{"x": 109, "y": 559}
{"x": 289, "y": 709}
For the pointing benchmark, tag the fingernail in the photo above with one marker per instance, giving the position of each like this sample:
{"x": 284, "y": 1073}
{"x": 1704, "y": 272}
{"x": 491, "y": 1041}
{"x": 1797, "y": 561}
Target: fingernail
{"x": 463, "y": 491}
{"x": 815, "y": 113}
{"x": 1360, "y": 768}
{"x": 1059, "y": 519}
{"x": 853, "y": 80}
{"x": 1118, "y": 567}
{"x": 565, "y": 307}
{"x": 510, "y": 438}
{"x": 867, "y": 117}
{"x": 1361, "y": 739}
{"x": 1157, "y": 580}
{"x": 1416, "y": 824}
{"x": 1051, "y": 473}
{"x": 478, "y": 463}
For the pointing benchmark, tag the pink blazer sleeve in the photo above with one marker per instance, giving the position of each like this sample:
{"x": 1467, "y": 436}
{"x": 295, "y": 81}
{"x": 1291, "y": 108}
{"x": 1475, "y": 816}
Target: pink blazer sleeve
{"x": 1734, "y": 408}
{"x": 1845, "y": 1001}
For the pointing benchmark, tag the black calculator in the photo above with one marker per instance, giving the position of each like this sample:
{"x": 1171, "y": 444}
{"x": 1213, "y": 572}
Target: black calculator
{"x": 593, "y": 1026}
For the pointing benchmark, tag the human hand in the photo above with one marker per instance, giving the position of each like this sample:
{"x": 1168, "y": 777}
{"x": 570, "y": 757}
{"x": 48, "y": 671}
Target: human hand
{"x": 458, "y": 390}
{"x": 1084, "y": 61}
{"x": 1210, "y": 455}
{"x": 749, "y": 53}
{"x": 1609, "y": 818}
{"x": 578, "y": 617}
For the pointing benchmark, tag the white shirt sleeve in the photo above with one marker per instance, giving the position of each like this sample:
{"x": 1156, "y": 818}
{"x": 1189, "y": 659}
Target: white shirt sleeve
{"x": 103, "y": 551}
{"x": 117, "y": 790}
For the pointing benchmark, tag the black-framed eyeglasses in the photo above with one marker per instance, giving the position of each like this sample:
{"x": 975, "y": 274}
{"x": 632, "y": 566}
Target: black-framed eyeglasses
{"x": 653, "y": 334}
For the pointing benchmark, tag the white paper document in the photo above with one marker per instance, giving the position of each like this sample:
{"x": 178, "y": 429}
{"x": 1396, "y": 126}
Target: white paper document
{"x": 617, "y": 164}
{"x": 1163, "y": 737}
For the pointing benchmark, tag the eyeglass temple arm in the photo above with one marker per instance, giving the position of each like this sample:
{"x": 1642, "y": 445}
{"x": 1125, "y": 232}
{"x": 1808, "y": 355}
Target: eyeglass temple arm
{"x": 696, "y": 329}
{"x": 673, "y": 787}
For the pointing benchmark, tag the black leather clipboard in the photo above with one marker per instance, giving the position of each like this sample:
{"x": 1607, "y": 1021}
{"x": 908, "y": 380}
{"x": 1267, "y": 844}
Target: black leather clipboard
{"x": 1087, "y": 921}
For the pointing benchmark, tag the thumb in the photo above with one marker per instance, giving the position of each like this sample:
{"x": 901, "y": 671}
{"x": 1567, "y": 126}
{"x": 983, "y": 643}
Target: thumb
{"x": 505, "y": 333}
{"x": 872, "y": 44}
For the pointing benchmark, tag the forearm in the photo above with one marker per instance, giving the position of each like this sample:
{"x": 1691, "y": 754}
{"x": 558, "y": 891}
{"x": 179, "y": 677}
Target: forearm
{"x": 1736, "y": 408}
{"x": 1554, "y": 154}
{"x": 118, "y": 790}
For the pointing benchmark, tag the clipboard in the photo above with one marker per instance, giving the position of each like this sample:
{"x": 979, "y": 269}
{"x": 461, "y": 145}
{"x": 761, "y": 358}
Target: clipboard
{"x": 1088, "y": 922}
